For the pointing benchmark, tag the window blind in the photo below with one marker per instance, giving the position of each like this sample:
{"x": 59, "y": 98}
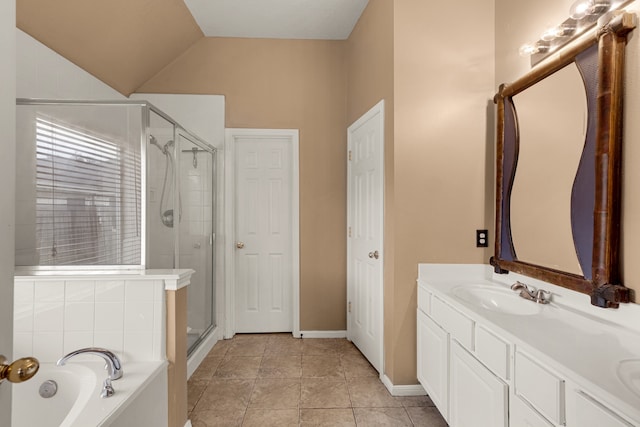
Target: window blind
{"x": 88, "y": 197}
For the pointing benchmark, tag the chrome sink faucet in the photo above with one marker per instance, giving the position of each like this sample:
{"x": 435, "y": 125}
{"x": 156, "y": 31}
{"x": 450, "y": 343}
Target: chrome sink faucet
{"x": 114, "y": 366}
{"x": 538, "y": 295}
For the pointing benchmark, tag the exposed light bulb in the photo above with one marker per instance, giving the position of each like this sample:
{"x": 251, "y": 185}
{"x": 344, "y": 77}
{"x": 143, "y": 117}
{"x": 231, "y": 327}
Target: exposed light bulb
{"x": 564, "y": 30}
{"x": 580, "y": 8}
{"x": 529, "y": 49}
{"x": 551, "y": 33}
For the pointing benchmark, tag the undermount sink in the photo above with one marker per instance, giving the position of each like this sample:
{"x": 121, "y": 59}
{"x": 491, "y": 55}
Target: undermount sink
{"x": 496, "y": 299}
{"x": 629, "y": 373}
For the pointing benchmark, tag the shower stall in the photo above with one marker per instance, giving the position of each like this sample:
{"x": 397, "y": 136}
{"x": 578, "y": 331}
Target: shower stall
{"x": 117, "y": 185}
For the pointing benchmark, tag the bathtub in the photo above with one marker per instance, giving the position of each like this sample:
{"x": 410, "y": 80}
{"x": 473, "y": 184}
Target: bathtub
{"x": 139, "y": 397}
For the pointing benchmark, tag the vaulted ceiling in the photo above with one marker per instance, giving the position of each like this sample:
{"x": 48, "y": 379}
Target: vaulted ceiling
{"x": 122, "y": 42}
{"x": 125, "y": 43}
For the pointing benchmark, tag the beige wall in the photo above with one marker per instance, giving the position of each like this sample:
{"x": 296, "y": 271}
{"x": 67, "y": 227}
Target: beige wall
{"x": 444, "y": 80}
{"x": 520, "y": 21}
{"x": 631, "y": 160}
{"x": 122, "y": 42}
{"x": 370, "y": 79}
{"x": 299, "y": 84}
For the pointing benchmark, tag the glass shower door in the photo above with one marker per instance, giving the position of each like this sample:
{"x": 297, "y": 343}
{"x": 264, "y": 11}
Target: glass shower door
{"x": 163, "y": 207}
{"x": 196, "y": 234}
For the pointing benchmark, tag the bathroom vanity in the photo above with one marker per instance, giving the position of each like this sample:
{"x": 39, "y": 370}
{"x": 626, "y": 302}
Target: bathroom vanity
{"x": 488, "y": 357}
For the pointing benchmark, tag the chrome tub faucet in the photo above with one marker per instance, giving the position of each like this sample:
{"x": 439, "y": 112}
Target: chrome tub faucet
{"x": 114, "y": 366}
{"x": 537, "y": 295}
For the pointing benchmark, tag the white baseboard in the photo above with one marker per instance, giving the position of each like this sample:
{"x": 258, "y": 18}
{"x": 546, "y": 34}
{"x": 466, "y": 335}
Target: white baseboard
{"x": 188, "y": 423}
{"x": 323, "y": 334}
{"x": 402, "y": 390}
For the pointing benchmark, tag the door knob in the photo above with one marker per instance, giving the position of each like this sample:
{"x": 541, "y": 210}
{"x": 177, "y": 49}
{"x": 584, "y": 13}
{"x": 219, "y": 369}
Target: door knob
{"x": 374, "y": 254}
{"x": 240, "y": 245}
{"x": 18, "y": 371}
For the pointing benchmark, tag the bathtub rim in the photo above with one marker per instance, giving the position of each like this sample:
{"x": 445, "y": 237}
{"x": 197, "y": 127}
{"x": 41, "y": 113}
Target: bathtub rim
{"x": 103, "y": 412}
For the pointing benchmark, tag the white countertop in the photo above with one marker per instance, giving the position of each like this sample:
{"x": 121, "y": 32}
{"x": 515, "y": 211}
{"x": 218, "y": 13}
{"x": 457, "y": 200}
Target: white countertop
{"x": 569, "y": 334}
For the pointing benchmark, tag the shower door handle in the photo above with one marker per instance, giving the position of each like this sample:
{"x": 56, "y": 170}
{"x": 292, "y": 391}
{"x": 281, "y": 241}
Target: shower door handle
{"x": 239, "y": 245}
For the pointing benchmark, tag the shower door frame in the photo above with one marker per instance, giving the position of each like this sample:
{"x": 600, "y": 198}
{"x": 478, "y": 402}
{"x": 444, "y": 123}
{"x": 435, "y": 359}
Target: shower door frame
{"x": 211, "y": 150}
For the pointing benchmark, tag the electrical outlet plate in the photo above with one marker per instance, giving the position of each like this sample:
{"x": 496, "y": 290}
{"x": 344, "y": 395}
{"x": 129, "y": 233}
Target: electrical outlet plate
{"x": 482, "y": 238}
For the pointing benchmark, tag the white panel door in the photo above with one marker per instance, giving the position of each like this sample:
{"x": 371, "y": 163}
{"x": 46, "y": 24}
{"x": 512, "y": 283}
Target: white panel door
{"x": 7, "y": 192}
{"x": 365, "y": 195}
{"x": 263, "y": 197}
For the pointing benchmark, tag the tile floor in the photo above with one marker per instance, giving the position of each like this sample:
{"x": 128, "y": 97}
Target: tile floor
{"x": 277, "y": 380}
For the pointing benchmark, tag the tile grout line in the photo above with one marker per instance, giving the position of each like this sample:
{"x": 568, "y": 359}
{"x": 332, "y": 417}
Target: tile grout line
{"x": 255, "y": 382}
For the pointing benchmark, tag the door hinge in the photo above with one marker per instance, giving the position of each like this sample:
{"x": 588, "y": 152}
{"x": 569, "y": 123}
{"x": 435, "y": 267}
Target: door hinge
{"x": 349, "y": 307}
{"x": 349, "y": 233}
{"x": 349, "y": 155}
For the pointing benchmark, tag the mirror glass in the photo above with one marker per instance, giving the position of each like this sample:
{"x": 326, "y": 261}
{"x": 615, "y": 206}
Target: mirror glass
{"x": 552, "y": 122}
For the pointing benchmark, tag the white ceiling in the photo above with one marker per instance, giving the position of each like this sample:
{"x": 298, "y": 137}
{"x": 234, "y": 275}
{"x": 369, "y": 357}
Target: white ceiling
{"x": 281, "y": 19}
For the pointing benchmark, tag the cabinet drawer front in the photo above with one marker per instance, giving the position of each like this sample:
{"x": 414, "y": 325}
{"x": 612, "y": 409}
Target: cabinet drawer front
{"x": 587, "y": 412}
{"x": 493, "y": 352}
{"x": 424, "y": 300}
{"x": 457, "y": 324}
{"x": 521, "y": 414}
{"x": 542, "y": 389}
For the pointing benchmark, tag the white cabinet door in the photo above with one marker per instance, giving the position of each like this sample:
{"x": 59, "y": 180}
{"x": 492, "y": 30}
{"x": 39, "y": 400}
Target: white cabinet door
{"x": 584, "y": 411}
{"x": 433, "y": 362}
{"x": 521, "y": 414}
{"x": 477, "y": 397}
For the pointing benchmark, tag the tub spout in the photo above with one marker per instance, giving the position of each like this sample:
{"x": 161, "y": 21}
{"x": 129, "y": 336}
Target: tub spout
{"x": 114, "y": 367}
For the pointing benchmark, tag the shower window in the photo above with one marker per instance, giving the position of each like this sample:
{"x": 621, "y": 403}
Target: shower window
{"x": 87, "y": 193}
{"x": 78, "y": 198}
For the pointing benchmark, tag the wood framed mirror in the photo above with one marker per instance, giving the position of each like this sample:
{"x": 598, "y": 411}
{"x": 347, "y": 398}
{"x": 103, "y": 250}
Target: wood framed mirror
{"x": 559, "y": 137}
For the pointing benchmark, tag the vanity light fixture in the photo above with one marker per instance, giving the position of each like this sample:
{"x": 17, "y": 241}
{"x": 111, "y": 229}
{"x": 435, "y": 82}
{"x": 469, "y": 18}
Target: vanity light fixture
{"x": 583, "y": 14}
